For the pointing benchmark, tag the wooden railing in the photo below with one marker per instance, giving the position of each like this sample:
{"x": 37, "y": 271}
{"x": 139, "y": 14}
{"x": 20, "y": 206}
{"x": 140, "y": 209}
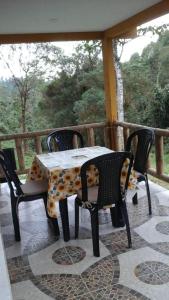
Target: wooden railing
{"x": 88, "y": 130}
{"x": 160, "y": 134}
{"x": 91, "y": 132}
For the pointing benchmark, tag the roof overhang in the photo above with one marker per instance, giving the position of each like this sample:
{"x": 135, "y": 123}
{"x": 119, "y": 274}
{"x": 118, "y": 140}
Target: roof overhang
{"x": 73, "y": 20}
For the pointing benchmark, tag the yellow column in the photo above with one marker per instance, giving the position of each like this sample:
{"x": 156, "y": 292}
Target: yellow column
{"x": 110, "y": 88}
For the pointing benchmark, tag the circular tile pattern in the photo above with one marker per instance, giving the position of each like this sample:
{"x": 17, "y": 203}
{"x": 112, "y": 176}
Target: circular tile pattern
{"x": 163, "y": 227}
{"x": 162, "y": 247}
{"x": 152, "y": 272}
{"x": 3, "y": 204}
{"x": 68, "y": 255}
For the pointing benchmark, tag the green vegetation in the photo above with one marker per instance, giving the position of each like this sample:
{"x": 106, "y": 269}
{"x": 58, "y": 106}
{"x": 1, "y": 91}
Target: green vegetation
{"x": 55, "y": 90}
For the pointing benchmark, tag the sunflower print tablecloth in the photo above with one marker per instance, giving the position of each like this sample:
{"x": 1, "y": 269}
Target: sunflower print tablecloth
{"x": 62, "y": 169}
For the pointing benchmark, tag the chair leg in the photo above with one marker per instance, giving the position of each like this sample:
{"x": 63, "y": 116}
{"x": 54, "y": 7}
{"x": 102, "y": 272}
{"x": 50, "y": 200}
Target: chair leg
{"x": 95, "y": 231}
{"x": 135, "y": 199}
{"x": 116, "y": 217}
{"x": 76, "y": 220}
{"x": 15, "y": 219}
{"x": 148, "y": 194}
{"x": 126, "y": 219}
{"x": 65, "y": 219}
{"x": 55, "y": 226}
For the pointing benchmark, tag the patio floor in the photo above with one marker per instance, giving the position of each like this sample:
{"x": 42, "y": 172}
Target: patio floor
{"x": 42, "y": 268}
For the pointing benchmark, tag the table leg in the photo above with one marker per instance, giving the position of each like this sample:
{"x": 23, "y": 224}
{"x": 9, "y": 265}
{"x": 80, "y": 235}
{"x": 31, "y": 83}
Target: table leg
{"x": 55, "y": 226}
{"x": 65, "y": 219}
{"x": 135, "y": 200}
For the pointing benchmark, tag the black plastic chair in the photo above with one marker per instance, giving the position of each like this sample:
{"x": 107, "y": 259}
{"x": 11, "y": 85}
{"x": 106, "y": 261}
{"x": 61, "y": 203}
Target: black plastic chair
{"x": 109, "y": 192}
{"x": 11, "y": 155}
{"x": 139, "y": 143}
{"x": 32, "y": 190}
{"x": 63, "y": 140}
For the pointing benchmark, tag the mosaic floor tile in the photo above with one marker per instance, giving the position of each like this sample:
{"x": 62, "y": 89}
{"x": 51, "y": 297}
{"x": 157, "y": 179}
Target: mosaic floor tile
{"x": 42, "y": 268}
{"x": 163, "y": 198}
{"x": 5, "y": 219}
{"x": 3, "y": 204}
{"x": 14, "y": 248}
{"x": 149, "y": 232}
{"x": 64, "y": 286}
{"x": 6, "y": 207}
{"x": 117, "y": 292}
{"x": 163, "y": 211}
{"x": 163, "y": 227}
{"x": 19, "y": 269}
{"x": 161, "y": 247}
{"x": 145, "y": 261}
{"x": 118, "y": 243}
{"x": 105, "y": 224}
{"x": 101, "y": 274}
{"x": 152, "y": 272}
{"x": 42, "y": 263}
{"x": 68, "y": 255}
{"x": 82, "y": 297}
{"x": 26, "y": 290}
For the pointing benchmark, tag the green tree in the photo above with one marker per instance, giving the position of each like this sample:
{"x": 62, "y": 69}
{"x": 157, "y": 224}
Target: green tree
{"x": 60, "y": 96}
{"x": 90, "y": 108}
{"x": 145, "y": 80}
{"x": 79, "y": 75}
{"x": 24, "y": 64}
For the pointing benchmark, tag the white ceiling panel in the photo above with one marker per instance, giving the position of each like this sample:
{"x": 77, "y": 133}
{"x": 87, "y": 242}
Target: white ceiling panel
{"x": 50, "y": 16}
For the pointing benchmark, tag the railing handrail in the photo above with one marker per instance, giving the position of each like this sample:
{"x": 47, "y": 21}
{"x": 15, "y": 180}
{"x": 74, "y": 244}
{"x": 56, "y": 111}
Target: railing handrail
{"x": 157, "y": 131}
{"x": 110, "y": 132}
{"x": 159, "y": 146}
{"x": 33, "y": 134}
{"x": 18, "y": 139}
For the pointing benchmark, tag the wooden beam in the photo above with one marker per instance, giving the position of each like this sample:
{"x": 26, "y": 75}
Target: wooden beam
{"x": 110, "y": 87}
{"x": 49, "y": 37}
{"x": 144, "y": 16}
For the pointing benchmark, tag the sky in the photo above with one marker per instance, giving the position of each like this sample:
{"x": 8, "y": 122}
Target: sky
{"x": 133, "y": 46}
{"x": 138, "y": 44}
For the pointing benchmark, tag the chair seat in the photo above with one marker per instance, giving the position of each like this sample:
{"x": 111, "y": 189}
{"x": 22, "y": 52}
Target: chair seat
{"x": 35, "y": 187}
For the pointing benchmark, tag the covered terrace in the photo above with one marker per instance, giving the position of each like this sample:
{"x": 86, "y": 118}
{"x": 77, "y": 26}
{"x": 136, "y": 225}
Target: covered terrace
{"x": 41, "y": 267}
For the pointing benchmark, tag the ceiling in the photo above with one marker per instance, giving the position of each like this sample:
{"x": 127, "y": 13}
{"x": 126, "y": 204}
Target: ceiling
{"x": 58, "y": 16}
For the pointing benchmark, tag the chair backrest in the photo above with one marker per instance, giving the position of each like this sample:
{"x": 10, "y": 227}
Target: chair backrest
{"x": 63, "y": 140}
{"x": 139, "y": 143}
{"x": 9, "y": 152}
{"x": 10, "y": 174}
{"x": 109, "y": 168}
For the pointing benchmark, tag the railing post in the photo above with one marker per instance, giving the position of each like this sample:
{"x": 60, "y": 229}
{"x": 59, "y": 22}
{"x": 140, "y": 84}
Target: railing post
{"x": 38, "y": 145}
{"x": 114, "y": 137}
{"x": 159, "y": 154}
{"x": 125, "y": 135}
{"x": 90, "y": 136}
{"x": 106, "y": 137}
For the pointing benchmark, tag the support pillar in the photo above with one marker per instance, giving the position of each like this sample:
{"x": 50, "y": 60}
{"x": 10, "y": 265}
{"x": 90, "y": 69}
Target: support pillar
{"x": 110, "y": 89}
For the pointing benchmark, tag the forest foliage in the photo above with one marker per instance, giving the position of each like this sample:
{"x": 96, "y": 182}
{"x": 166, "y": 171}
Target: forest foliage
{"x": 55, "y": 90}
